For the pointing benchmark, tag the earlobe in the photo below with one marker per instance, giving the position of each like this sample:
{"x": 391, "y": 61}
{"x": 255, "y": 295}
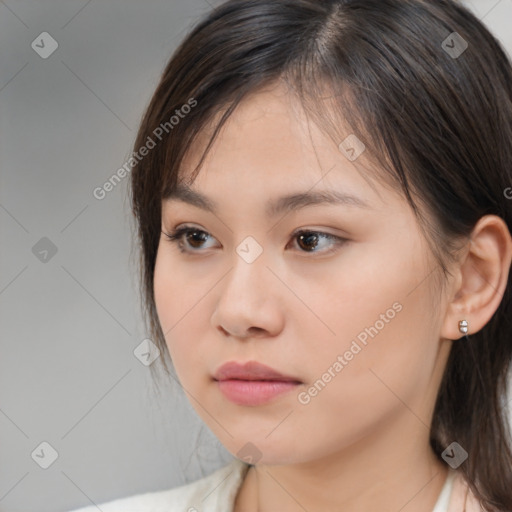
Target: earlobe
{"x": 481, "y": 280}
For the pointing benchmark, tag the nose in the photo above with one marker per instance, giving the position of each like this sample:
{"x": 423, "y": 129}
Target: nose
{"x": 249, "y": 301}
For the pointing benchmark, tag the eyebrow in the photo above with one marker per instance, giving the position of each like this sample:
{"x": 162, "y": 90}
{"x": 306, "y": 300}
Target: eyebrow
{"x": 274, "y": 207}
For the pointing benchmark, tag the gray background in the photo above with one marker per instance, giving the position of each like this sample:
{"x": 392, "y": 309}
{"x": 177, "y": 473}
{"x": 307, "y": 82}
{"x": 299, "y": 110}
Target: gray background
{"x": 70, "y": 323}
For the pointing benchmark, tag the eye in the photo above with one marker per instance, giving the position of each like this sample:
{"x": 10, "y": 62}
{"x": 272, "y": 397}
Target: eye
{"x": 191, "y": 240}
{"x": 187, "y": 235}
{"x": 311, "y": 239}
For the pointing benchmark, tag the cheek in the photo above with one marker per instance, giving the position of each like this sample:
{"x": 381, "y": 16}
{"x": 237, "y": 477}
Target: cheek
{"x": 170, "y": 300}
{"x": 180, "y": 302}
{"x": 177, "y": 289}
{"x": 354, "y": 386}
{"x": 382, "y": 326}
{"x": 164, "y": 292}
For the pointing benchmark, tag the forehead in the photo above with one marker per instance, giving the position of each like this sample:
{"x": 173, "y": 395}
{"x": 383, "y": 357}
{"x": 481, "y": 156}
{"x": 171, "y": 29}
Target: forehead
{"x": 267, "y": 145}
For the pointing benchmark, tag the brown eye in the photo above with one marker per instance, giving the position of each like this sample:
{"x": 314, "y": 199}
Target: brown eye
{"x": 196, "y": 237}
{"x": 188, "y": 239}
{"x": 309, "y": 241}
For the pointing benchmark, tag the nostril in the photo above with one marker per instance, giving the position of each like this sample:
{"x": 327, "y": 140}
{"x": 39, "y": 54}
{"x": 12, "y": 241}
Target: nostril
{"x": 256, "y": 330}
{"x": 248, "y": 333}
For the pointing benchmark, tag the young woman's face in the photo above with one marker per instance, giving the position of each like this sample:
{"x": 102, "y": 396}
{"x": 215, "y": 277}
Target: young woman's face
{"x": 346, "y": 310}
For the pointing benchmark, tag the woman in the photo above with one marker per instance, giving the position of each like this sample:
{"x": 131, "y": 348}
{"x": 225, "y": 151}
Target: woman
{"x": 324, "y": 211}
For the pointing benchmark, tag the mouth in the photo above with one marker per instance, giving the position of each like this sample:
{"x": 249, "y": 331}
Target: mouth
{"x": 252, "y": 383}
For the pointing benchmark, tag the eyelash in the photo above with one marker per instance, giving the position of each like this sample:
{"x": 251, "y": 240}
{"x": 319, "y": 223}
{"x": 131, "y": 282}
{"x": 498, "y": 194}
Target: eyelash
{"x": 177, "y": 238}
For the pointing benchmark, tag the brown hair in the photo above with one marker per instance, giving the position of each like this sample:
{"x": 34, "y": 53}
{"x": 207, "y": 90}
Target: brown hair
{"x": 438, "y": 123}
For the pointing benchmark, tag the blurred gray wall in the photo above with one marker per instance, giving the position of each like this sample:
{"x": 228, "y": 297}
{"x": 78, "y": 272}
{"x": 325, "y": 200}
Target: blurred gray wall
{"x": 69, "y": 311}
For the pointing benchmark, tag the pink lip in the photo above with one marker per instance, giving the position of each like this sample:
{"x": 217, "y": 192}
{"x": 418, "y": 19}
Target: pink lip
{"x": 252, "y": 383}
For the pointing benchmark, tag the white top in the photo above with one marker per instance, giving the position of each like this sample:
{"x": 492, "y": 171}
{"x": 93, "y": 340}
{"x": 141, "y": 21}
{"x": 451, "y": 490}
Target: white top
{"x": 444, "y": 497}
{"x": 213, "y": 493}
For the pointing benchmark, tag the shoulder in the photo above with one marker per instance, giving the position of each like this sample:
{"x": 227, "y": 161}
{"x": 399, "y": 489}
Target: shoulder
{"x": 213, "y": 493}
{"x": 462, "y": 498}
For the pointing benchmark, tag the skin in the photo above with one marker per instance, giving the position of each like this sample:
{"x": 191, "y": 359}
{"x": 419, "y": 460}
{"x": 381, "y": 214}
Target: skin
{"x": 362, "y": 442}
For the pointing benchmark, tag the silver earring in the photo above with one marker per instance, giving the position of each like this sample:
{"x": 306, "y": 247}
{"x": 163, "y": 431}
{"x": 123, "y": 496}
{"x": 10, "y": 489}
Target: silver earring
{"x": 463, "y": 326}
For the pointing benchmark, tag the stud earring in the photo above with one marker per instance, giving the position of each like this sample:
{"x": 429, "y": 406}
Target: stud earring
{"x": 463, "y": 326}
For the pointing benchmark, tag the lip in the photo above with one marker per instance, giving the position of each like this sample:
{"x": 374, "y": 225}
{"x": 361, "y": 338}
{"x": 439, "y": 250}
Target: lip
{"x": 252, "y": 383}
{"x": 252, "y": 370}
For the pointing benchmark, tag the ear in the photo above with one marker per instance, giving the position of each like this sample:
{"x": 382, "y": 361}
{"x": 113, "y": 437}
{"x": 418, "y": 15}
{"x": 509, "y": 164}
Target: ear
{"x": 480, "y": 278}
